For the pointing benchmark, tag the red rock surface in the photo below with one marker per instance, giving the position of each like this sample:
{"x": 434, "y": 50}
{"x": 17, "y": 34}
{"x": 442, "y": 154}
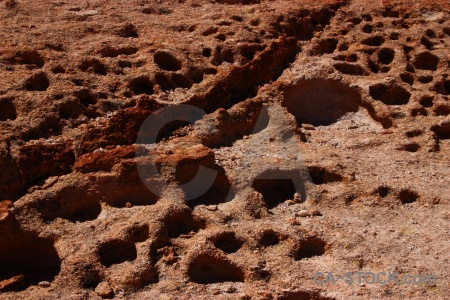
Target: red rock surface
{"x": 348, "y": 99}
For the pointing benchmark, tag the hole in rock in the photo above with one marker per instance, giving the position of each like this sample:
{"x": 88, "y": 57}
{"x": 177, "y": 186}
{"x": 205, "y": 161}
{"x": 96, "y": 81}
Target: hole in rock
{"x": 227, "y": 242}
{"x": 386, "y": 56}
{"x": 426, "y": 101}
{"x": 355, "y": 20}
{"x": 414, "y": 133}
{"x": 426, "y": 61}
{"x": 367, "y": 28}
{"x": 321, "y": 102}
{"x": 385, "y": 69}
{"x": 390, "y": 94}
{"x": 93, "y": 66}
{"x": 206, "y": 52}
{"x": 373, "y": 66}
{"x": 217, "y": 193}
{"x": 77, "y": 206}
{"x": 181, "y": 222}
{"x": 7, "y": 109}
{"x": 128, "y": 31}
{"x": 90, "y": 277}
{"x": 136, "y": 194}
{"x": 419, "y": 112}
{"x": 411, "y": 147}
{"x": 430, "y": 33}
{"x": 442, "y": 110}
{"x": 206, "y": 269}
{"x": 37, "y": 82}
{"x": 349, "y": 69}
{"x": 109, "y": 51}
{"x": 28, "y": 57}
{"x": 164, "y": 82}
{"x": 325, "y": 46}
{"x": 169, "y": 128}
{"x": 425, "y": 79}
{"x": 181, "y": 81}
{"x": 394, "y": 36}
{"x": 321, "y": 175}
{"x": 58, "y": 69}
{"x": 427, "y": 43}
{"x": 309, "y": 248}
{"x": 442, "y": 131}
{"x": 116, "y": 252}
{"x": 407, "y": 77}
{"x": 141, "y": 85}
{"x": 407, "y": 196}
{"x": 28, "y": 258}
{"x": 124, "y": 64}
{"x": 269, "y": 238}
{"x": 274, "y": 191}
{"x": 167, "y": 61}
{"x": 139, "y": 233}
{"x": 373, "y": 41}
{"x": 382, "y": 191}
{"x": 86, "y": 97}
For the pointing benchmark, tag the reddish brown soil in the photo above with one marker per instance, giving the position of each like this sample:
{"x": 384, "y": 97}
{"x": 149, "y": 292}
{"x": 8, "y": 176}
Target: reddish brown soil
{"x": 355, "y": 96}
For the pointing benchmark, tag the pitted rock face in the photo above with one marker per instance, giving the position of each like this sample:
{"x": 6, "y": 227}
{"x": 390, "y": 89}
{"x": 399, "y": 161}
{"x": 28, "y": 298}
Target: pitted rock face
{"x": 324, "y": 128}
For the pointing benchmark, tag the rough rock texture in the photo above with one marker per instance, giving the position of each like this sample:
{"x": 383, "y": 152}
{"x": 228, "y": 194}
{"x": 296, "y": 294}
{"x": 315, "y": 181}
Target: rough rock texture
{"x": 326, "y": 128}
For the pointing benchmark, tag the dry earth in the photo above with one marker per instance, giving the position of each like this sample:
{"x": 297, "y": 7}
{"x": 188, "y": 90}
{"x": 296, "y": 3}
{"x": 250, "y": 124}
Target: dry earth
{"x": 348, "y": 100}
